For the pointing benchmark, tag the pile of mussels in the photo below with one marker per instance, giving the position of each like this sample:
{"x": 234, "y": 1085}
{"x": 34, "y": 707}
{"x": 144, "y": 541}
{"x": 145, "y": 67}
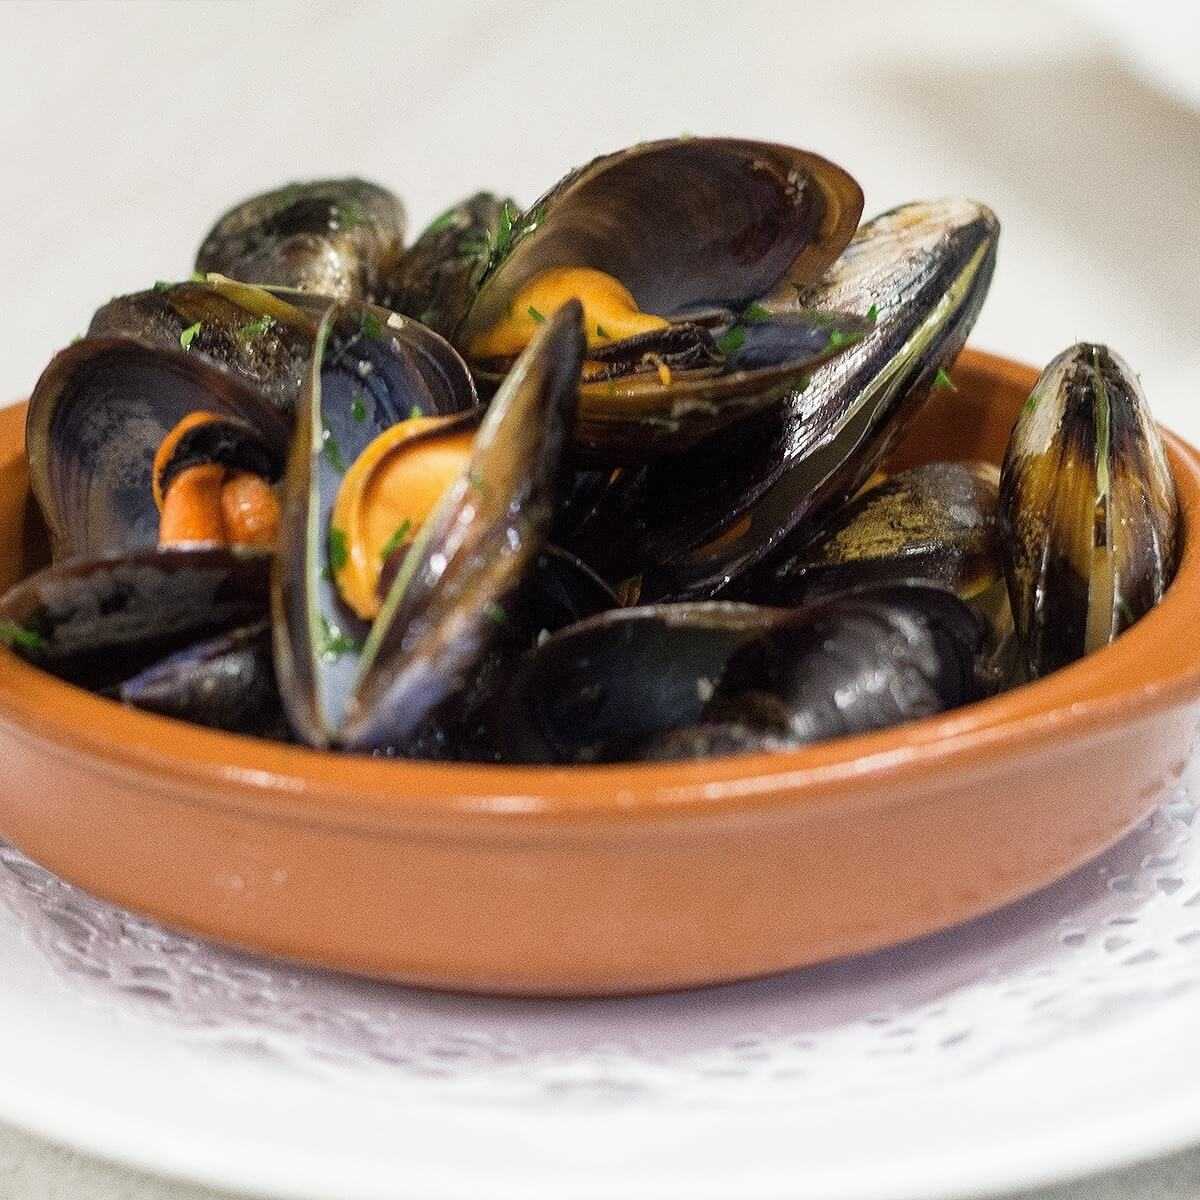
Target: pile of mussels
{"x": 594, "y": 481}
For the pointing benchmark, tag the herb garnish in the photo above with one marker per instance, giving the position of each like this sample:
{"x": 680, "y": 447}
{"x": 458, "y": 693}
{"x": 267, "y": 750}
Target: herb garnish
{"x": 199, "y": 277}
{"x": 189, "y": 335}
{"x": 371, "y": 326}
{"x": 12, "y": 634}
{"x": 600, "y": 331}
{"x": 838, "y": 339}
{"x": 755, "y": 314}
{"x": 873, "y": 313}
{"x": 396, "y": 540}
{"x": 415, "y": 412}
{"x": 732, "y": 340}
{"x": 333, "y": 452}
{"x": 358, "y": 410}
{"x": 255, "y": 329}
{"x": 943, "y": 381}
{"x": 339, "y": 553}
{"x": 334, "y": 643}
{"x": 162, "y": 285}
{"x": 448, "y": 218}
{"x": 537, "y": 317}
{"x": 495, "y": 613}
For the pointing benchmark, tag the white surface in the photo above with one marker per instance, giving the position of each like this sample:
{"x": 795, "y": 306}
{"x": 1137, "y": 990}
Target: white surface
{"x": 126, "y": 128}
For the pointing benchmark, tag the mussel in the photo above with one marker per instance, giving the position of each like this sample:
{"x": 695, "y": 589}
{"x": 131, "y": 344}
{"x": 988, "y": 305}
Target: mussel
{"x": 860, "y": 661}
{"x": 339, "y": 238}
{"x": 113, "y": 418}
{"x": 693, "y": 523}
{"x": 1089, "y": 509}
{"x": 263, "y": 336}
{"x": 436, "y": 278}
{"x": 669, "y": 246}
{"x": 364, "y": 667}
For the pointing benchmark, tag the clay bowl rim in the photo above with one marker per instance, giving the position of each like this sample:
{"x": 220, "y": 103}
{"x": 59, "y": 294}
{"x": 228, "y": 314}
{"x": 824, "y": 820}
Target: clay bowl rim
{"x": 1125, "y": 683}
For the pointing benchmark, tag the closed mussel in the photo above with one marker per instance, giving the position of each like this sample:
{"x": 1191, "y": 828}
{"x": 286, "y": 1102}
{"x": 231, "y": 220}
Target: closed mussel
{"x": 1089, "y": 509}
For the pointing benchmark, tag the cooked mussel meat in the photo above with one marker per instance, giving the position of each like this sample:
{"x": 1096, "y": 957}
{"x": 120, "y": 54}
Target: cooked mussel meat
{"x": 693, "y": 523}
{"x": 339, "y": 238}
{"x": 669, "y": 246}
{"x": 1089, "y": 509}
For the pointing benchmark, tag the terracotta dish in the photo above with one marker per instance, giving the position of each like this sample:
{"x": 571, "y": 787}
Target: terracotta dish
{"x": 614, "y": 879}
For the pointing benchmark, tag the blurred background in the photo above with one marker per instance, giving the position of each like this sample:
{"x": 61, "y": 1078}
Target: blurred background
{"x": 128, "y": 127}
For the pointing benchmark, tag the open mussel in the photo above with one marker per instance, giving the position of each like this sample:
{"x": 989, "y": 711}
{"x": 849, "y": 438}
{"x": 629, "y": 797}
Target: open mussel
{"x": 339, "y": 238}
{"x": 114, "y": 418}
{"x": 263, "y": 336}
{"x": 669, "y": 246}
{"x": 1089, "y": 509}
{"x": 694, "y": 522}
{"x": 852, "y": 663}
{"x": 463, "y": 512}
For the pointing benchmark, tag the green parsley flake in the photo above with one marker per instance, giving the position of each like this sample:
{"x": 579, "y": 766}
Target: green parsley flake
{"x": 12, "y": 634}
{"x": 255, "y": 329}
{"x": 600, "y": 332}
{"x": 371, "y": 325}
{"x": 943, "y": 381}
{"x": 1031, "y": 403}
{"x": 162, "y": 285}
{"x": 537, "y": 316}
{"x": 755, "y": 314}
{"x": 732, "y": 340}
{"x": 189, "y": 335}
{"x": 873, "y": 313}
{"x": 838, "y": 339}
{"x": 445, "y": 221}
{"x": 347, "y": 214}
{"x": 396, "y": 540}
{"x": 334, "y": 643}
{"x": 199, "y": 277}
{"x": 358, "y": 410}
{"x": 333, "y": 452}
{"x": 415, "y": 412}
{"x": 339, "y": 553}
{"x": 495, "y": 613}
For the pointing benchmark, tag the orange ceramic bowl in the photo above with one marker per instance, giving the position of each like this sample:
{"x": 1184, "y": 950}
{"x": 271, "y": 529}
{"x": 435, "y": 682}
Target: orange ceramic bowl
{"x": 615, "y": 879}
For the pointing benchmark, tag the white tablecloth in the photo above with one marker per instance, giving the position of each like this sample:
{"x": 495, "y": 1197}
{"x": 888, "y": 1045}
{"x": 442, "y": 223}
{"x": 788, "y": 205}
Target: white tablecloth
{"x": 125, "y": 129}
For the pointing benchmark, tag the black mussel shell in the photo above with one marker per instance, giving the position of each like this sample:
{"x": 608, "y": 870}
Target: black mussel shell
{"x": 339, "y": 238}
{"x": 1089, "y": 508}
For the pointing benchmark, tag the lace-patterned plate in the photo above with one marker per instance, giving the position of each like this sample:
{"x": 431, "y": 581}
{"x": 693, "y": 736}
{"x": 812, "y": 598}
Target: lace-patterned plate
{"x": 1053, "y": 1037}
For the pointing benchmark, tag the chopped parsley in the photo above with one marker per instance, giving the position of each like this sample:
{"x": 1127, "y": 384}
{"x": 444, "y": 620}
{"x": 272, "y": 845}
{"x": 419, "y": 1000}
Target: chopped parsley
{"x": 334, "y": 643}
{"x": 339, "y": 553}
{"x": 536, "y": 316}
{"x": 332, "y": 451}
{"x": 199, "y": 277}
{"x": 347, "y": 214}
{"x": 1031, "y": 403}
{"x": 12, "y": 634}
{"x": 188, "y": 336}
{"x": 600, "y": 331}
{"x": 163, "y": 285}
{"x": 732, "y": 340}
{"x": 415, "y": 412}
{"x": 943, "y": 381}
{"x": 255, "y": 329}
{"x": 755, "y": 314}
{"x": 873, "y": 313}
{"x": 396, "y": 540}
{"x": 358, "y": 410}
{"x": 445, "y": 221}
{"x": 838, "y": 339}
{"x": 371, "y": 326}
{"x": 495, "y": 613}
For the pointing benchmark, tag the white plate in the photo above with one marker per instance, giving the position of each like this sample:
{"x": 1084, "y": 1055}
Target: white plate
{"x": 1054, "y": 1038}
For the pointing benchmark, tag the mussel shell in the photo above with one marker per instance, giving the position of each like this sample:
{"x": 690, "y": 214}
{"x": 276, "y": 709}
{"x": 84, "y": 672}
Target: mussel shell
{"x": 1089, "y": 509}
{"x": 696, "y": 521}
{"x": 226, "y": 682}
{"x": 597, "y": 689}
{"x": 436, "y": 278}
{"x": 99, "y": 621}
{"x": 853, "y": 663}
{"x": 96, "y": 419}
{"x": 262, "y": 336}
{"x": 366, "y": 375}
{"x": 937, "y": 522}
{"x": 475, "y": 550}
{"x": 686, "y": 225}
{"x": 339, "y": 238}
